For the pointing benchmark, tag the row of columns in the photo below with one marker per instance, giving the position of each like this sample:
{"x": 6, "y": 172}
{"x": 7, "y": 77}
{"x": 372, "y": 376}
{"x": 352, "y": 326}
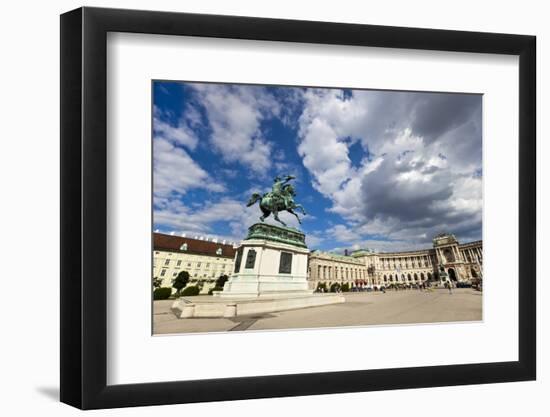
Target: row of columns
{"x": 441, "y": 254}
{"x": 475, "y": 254}
{"x": 325, "y": 272}
{"x": 421, "y": 261}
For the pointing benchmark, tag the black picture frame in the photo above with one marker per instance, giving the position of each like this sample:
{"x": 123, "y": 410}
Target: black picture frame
{"x": 84, "y": 207}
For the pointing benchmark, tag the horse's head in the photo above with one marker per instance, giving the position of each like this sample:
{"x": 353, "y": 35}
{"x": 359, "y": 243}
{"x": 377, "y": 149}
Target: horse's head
{"x": 255, "y": 197}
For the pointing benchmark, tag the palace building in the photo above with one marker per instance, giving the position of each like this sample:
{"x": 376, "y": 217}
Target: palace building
{"x": 330, "y": 267}
{"x": 205, "y": 260}
{"x": 446, "y": 260}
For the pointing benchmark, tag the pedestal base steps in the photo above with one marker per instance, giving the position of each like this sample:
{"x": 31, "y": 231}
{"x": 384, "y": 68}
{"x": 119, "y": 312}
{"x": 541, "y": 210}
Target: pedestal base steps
{"x": 208, "y": 306}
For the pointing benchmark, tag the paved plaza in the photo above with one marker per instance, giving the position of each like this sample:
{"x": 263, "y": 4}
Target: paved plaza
{"x": 360, "y": 309}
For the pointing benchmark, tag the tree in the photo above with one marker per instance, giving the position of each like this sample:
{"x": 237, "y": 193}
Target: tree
{"x": 220, "y": 282}
{"x": 180, "y": 281}
{"x": 157, "y": 282}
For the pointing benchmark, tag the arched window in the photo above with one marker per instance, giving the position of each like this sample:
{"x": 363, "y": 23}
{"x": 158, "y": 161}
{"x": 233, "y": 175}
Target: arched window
{"x": 449, "y": 256}
{"x": 409, "y": 277}
{"x": 415, "y": 277}
{"x": 219, "y": 251}
{"x": 422, "y": 277}
{"x": 183, "y": 247}
{"x": 429, "y": 276}
{"x": 385, "y": 278}
{"x": 452, "y": 274}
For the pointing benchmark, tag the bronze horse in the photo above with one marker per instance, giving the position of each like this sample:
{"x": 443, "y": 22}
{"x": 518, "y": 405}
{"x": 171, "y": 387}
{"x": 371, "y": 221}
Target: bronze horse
{"x": 273, "y": 203}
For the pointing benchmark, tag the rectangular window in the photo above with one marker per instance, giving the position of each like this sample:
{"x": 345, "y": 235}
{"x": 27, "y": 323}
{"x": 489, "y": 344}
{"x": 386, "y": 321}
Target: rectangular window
{"x": 238, "y": 260}
{"x": 162, "y": 272}
{"x": 250, "y": 259}
{"x": 179, "y": 262}
{"x": 285, "y": 264}
{"x": 167, "y": 262}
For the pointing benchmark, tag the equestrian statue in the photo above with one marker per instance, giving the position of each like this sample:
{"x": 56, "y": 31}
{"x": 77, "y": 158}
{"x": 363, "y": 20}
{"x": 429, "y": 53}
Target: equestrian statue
{"x": 280, "y": 198}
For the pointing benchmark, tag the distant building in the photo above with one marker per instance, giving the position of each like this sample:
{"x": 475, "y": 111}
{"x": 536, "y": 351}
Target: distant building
{"x": 461, "y": 263}
{"x": 204, "y": 260}
{"x": 328, "y": 268}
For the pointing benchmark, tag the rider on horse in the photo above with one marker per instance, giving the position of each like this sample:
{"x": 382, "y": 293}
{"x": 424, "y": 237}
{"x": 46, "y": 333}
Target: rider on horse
{"x": 278, "y": 189}
{"x": 280, "y": 198}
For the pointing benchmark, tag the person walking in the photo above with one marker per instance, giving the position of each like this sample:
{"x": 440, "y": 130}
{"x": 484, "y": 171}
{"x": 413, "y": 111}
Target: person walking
{"x": 449, "y": 286}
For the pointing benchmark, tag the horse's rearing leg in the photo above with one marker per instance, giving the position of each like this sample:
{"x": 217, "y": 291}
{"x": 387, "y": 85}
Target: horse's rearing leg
{"x": 276, "y": 216}
{"x": 299, "y": 206}
{"x": 290, "y": 211}
{"x": 265, "y": 212}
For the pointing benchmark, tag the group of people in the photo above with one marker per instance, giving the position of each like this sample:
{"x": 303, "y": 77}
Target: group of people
{"x": 419, "y": 286}
{"x": 423, "y": 286}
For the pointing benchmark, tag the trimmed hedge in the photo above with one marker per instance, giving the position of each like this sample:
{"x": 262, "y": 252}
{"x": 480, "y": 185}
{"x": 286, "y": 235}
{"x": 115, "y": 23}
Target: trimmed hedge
{"x": 162, "y": 293}
{"x": 335, "y": 287}
{"x": 344, "y": 287}
{"x": 190, "y": 291}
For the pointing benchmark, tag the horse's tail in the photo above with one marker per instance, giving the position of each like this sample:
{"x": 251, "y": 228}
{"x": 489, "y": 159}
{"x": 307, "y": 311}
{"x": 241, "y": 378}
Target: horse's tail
{"x": 255, "y": 197}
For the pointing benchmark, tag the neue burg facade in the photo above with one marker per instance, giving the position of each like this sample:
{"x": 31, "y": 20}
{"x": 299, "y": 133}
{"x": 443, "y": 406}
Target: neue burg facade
{"x": 461, "y": 263}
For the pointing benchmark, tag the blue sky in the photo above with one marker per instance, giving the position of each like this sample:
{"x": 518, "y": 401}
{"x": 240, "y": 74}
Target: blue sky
{"x": 379, "y": 169}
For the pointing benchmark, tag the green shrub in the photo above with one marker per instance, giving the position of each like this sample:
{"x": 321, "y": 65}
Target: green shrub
{"x": 335, "y": 287}
{"x": 345, "y": 287}
{"x": 211, "y": 290}
{"x": 190, "y": 291}
{"x": 162, "y": 293}
{"x": 181, "y": 280}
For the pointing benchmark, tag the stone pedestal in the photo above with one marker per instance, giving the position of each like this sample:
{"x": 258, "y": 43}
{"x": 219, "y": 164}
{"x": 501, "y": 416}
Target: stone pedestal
{"x": 270, "y": 275}
{"x": 443, "y": 278}
{"x": 271, "y": 262}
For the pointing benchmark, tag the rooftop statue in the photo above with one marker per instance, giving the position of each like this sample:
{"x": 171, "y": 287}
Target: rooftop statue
{"x": 280, "y": 198}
